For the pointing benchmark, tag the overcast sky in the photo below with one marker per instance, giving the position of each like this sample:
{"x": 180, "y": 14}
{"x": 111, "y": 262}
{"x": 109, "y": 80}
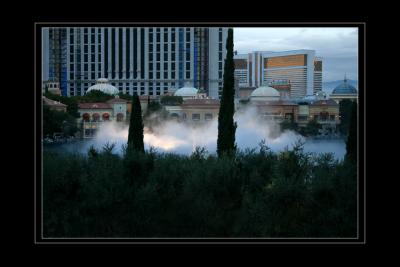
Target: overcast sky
{"x": 338, "y": 47}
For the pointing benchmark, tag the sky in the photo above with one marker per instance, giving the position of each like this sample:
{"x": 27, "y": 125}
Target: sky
{"x": 338, "y": 47}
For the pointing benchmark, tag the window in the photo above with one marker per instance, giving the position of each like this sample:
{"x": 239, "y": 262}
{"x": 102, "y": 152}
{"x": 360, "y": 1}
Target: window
{"x": 165, "y": 65}
{"x": 165, "y": 47}
{"x": 158, "y": 75}
{"x": 165, "y": 56}
{"x": 208, "y": 116}
{"x": 150, "y": 56}
{"x": 158, "y": 57}
{"x": 173, "y": 65}
{"x": 71, "y": 58}
{"x": 150, "y": 37}
{"x": 195, "y": 116}
{"x": 158, "y": 37}
{"x": 187, "y": 65}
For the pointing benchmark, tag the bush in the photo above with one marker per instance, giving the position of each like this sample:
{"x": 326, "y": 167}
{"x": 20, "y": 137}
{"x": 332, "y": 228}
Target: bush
{"x": 252, "y": 194}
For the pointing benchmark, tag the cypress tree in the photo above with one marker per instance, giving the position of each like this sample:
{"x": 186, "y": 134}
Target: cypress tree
{"x": 351, "y": 143}
{"x": 226, "y": 125}
{"x": 135, "y": 136}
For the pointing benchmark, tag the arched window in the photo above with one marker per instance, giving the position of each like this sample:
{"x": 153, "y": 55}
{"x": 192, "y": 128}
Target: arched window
{"x": 120, "y": 117}
{"x": 96, "y": 117}
{"x": 86, "y": 117}
{"x": 106, "y": 116}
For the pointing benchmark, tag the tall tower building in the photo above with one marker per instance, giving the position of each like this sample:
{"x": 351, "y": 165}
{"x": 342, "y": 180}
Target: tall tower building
{"x": 146, "y": 61}
{"x": 299, "y": 67}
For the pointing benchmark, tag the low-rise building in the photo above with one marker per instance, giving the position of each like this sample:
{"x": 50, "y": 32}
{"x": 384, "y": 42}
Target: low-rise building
{"x": 194, "y": 111}
{"x": 344, "y": 91}
{"x": 54, "y": 105}
{"x": 93, "y": 115}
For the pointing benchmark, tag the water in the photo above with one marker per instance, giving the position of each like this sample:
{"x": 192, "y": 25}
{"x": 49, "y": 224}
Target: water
{"x": 336, "y": 146}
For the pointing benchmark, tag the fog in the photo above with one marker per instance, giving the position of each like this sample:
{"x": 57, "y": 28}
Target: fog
{"x": 182, "y": 138}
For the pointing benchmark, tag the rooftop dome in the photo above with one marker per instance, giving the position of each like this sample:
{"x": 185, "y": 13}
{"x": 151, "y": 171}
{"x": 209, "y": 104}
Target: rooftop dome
{"x": 103, "y": 86}
{"x": 265, "y": 93}
{"x": 186, "y": 92}
{"x": 344, "y": 89}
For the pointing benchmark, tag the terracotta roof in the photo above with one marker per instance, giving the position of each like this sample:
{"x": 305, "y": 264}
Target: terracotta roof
{"x": 117, "y": 100}
{"x": 201, "y": 101}
{"x": 53, "y": 103}
{"x": 144, "y": 97}
{"x": 94, "y": 106}
{"x": 324, "y": 102}
{"x": 274, "y": 103}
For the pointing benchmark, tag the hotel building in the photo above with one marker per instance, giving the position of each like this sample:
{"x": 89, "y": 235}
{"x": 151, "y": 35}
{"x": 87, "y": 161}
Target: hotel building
{"x": 146, "y": 61}
{"x": 300, "y": 67}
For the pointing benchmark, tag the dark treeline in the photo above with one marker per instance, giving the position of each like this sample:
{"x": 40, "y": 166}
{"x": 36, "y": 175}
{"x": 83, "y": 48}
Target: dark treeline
{"x": 252, "y": 194}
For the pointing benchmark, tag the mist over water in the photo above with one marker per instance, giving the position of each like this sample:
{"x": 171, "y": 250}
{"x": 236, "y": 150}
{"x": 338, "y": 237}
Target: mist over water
{"x": 181, "y": 138}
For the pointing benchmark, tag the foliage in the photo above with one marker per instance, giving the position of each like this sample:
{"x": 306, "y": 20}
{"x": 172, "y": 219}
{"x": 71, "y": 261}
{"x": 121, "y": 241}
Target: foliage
{"x": 344, "y": 113}
{"x": 125, "y": 96}
{"x": 312, "y": 128}
{"x": 290, "y": 125}
{"x": 94, "y": 96}
{"x": 226, "y": 125}
{"x": 135, "y": 135}
{"x": 351, "y": 143}
{"x": 253, "y": 194}
{"x": 153, "y": 106}
{"x": 58, "y": 121}
{"x": 171, "y": 100}
{"x": 71, "y": 102}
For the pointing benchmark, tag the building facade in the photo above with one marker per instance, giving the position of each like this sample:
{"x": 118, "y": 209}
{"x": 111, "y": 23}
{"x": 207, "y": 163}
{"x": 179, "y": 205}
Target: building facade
{"x": 146, "y": 61}
{"x": 300, "y": 67}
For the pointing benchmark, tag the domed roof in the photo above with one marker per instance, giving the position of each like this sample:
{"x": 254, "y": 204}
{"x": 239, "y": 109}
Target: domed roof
{"x": 344, "y": 89}
{"x": 265, "y": 92}
{"x": 186, "y": 92}
{"x": 103, "y": 86}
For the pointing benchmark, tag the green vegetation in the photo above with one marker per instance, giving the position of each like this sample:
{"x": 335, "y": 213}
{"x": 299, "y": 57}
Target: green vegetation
{"x": 290, "y": 125}
{"x": 171, "y": 100}
{"x": 312, "y": 128}
{"x": 135, "y": 135}
{"x": 344, "y": 113}
{"x": 71, "y": 102}
{"x": 253, "y": 194}
{"x": 351, "y": 143}
{"x": 58, "y": 122}
{"x": 226, "y": 124}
